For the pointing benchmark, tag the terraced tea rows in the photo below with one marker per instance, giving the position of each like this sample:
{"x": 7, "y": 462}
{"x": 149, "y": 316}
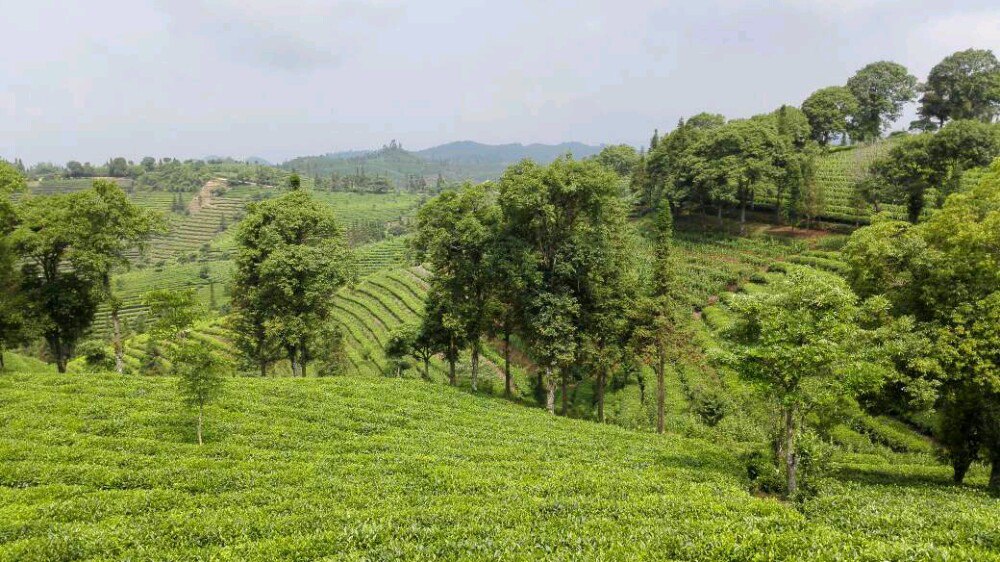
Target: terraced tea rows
{"x": 105, "y": 467}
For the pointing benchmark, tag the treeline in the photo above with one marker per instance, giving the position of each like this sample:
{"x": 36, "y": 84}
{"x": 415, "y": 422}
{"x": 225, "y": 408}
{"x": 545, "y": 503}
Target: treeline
{"x": 164, "y": 174}
{"x": 709, "y": 164}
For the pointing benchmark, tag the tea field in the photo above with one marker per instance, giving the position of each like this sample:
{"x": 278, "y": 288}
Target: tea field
{"x": 104, "y": 467}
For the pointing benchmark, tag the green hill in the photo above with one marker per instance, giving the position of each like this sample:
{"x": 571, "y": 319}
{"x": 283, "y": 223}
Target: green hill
{"x": 365, "y": 468}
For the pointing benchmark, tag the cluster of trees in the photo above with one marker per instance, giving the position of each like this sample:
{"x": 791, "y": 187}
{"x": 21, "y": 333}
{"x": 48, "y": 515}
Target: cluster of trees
{"x": 547, "y": 255}
{"x": 944, "y": 274}
{"x": 58, "y": 255}
{"x": 923, "y": 169}
{"x": 291, "y": 259}
{"x": 709, "y": 163}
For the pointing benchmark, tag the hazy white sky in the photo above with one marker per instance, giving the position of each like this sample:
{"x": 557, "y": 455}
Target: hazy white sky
{"x": 189, "y": 78}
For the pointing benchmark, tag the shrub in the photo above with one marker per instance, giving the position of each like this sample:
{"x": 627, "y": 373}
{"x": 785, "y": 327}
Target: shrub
{"x": 711, "y": 406}
{"x": 96, "y": 355}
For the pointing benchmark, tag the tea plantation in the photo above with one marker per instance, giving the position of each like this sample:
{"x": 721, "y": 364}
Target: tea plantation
{"x": 362, "y": 468}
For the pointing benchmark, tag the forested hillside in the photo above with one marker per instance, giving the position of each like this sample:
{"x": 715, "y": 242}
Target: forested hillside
{"x": 764, "y": 337}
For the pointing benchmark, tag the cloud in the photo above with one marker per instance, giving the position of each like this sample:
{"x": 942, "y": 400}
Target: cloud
{"x": 288, "y": 36}
{"x": 941, "y": 36}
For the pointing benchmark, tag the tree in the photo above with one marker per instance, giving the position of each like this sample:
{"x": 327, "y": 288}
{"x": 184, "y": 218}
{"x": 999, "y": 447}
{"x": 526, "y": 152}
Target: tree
{"x": 802, "y": 340}
{"x": 829, "y": 111}
{"x": 118, "y": 167}
{"x": 291, "y": 258}
{"x": 737, "y": 162}
{"x": 70, "y": 244}
{"x": 659, "y": 331}
{"x": 419, "y": 341}
{"x": 965, "y": 85}
{"x": 664, "y": 173}
{"x": 13, "y": 322}
{"x": 608, "y": 293}
{"x": 904, "y": 175}
{"x": 921, "y": 162}
{"x": 120, "y": 227}
{"x": 555, "y": 213}
{"x": 621, "y": 158}
{"x": 171, "y": 312}
{"x": 457, "y": 234}
{"x": 881, "y": 88}
{"x": 75, "y": 169}
{"x": 943, "y": 272}
{"x": 200, "y": 376}
{"x": 398, "y": 346}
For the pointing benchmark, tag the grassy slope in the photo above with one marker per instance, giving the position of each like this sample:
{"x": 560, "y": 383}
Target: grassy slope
{"x": 103, "y": 467}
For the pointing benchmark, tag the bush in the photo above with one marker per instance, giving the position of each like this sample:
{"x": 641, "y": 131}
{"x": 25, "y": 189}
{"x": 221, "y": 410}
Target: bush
{"x": 711, "y": 406}
{"x": 96, "y": 355}
{"x": 763, "y": 473}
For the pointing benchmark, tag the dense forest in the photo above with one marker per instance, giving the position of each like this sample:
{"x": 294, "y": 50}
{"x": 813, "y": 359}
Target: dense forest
{"x": 787, "y": 323}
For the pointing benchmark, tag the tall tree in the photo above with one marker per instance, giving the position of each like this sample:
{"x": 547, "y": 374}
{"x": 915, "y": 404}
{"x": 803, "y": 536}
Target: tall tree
{"x": 291, "y": 258}
{"x": 881, "y": 88}
{"x": 802, "y": 340}
{"x": 121, "y": 227}
{"x": 965, "y": 85}
{"x": 553, "y": 210}
{"x": 70, "y": 244}
{"x": 457, "y": 234}
{"x": 829, "y": 111}
{"x": 659, "y": 329}
{"x": 944, "y": 272}
{"x": 12, "y": 318}
{"x": 738, "y": 162}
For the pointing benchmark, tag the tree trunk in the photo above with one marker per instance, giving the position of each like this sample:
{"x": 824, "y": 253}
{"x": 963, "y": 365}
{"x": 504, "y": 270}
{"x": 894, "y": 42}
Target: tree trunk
{"x": 508, "y": 382}
{"x": 2, "y": 364}
{"x": 564, "y": 382}
{"x": 661, "y": 392}
{"x": 601, "y": 381}
{"x": 720, "y": 214}
{"x": 293, "y": 357}
{"x": 60, "y": 358}
{"x": 550, "y": 391}
{"x": 427, "y": 368}
{"x": 743, "y": 218}
{"x": 116, "y": 339}
{"x": 959, "y": 467}
{"x": 263, "y": 367}
{"x": 201, "y": 409}
{"x": 791, "y": 459}
{"x": 474, "y": 365}
{"x": 994, "y": 485}
{"x": 452, "y": 378}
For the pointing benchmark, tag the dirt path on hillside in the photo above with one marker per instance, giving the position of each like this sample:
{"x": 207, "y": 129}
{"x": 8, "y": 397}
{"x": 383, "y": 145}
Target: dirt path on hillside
{"x": 205, "y": 196}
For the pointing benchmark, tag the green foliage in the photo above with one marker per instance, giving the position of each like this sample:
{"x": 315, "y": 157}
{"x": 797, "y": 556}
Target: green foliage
{"x": 944, "y": 272}
{"x": 965, "y": 85}
{"x": 133, "y": 485}
{"x": 829, "y": 111}
{"x": 881, "y": 88}
{"x": 291, "y": 259}
{"x": 621, "y": 158}
{"x": 70, "y": 244}
{"x": 171, "y": 311}
{"x": 804, "y": 342}
{"x": 200, "y": 375}
{"x": 96, "y": 355}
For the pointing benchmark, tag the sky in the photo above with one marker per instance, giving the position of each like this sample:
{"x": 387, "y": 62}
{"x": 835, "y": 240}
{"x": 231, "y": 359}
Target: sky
{"x": 191, "y": 78}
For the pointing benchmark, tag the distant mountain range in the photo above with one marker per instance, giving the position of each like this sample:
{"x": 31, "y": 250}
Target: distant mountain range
{"x": 470, "y": 152}
{"x": 456, "y": 161}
